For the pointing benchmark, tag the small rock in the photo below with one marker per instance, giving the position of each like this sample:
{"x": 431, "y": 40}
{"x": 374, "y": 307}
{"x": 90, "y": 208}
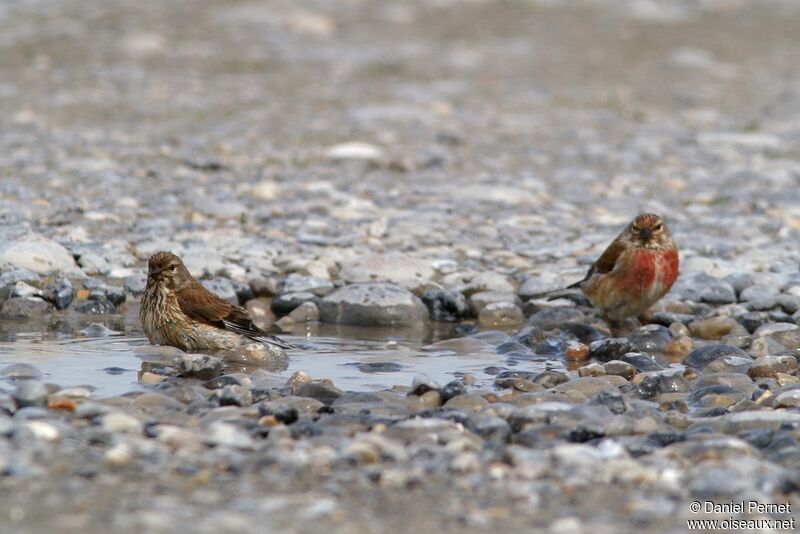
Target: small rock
{"x": 29, "y": 308}
{"x": 701, "y": 357}
{"x": 619, "y": 368}
{"x": 446, "y": 306}
{"x": 198, "y": 365}
{"x": 40, "y": 255}
{"x": 500, "y": 315}
{"x": 373, "y": 305}
{"x": 320, "y": 390}
{"x": 288, "y": 302}
{"x": 30, "y": 393}
{"x": 770, "y": 366}
{"x": 423, "y": 383}
{"x": 610, "y": 349}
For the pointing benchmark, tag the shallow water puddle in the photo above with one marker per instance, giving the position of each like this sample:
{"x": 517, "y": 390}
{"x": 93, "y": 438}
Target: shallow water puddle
{"x": 111, "y": 365}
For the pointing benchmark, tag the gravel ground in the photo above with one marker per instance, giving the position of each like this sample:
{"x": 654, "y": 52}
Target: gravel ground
{"x": 373, "y": 164}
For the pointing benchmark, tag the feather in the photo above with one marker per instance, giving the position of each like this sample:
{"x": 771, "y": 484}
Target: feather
{"x": 201, "y": 305}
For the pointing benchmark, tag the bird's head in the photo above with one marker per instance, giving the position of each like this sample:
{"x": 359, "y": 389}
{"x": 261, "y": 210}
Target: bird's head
{"x": 650, "y": 231}
{"x": 167, "y": 269}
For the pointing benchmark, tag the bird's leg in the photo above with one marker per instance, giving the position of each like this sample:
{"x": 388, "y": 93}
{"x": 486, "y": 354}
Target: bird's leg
{"x": 613, "y": 329}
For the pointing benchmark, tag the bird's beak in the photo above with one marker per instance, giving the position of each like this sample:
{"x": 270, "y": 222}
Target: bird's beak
{"x": 645, "y": 234}
{"x": 154, "y": 272}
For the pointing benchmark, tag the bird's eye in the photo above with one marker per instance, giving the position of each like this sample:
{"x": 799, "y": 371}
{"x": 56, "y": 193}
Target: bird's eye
{"x": 173, "y": 267}
{"x": 657, "y": 227}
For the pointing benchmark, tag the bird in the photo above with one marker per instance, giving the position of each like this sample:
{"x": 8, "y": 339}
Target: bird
{"x": 633, "y": 273}
{"x": 177, "y": 310}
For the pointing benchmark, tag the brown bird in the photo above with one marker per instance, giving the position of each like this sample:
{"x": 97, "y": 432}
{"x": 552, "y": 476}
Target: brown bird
{"x": 178, "y": 311}
{"x": 635, "y": 271}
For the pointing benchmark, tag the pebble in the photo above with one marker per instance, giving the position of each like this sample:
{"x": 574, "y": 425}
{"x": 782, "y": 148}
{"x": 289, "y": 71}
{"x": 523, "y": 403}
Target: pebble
{"x": 701, "y": 357}
{"x": 198, "y": 365}
{"x": 770, "y": 366}
{"x": 30, "y": 393}
{"x": 375, "y": 304}
{"x": 36, "y": 253}
{"x": 446, "y": 306}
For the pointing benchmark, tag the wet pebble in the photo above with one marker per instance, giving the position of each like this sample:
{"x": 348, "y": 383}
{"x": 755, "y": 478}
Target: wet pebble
{"x": 702, "y": 356}
{"x": 447, "y": 306}
{"x": 198, "y": 365}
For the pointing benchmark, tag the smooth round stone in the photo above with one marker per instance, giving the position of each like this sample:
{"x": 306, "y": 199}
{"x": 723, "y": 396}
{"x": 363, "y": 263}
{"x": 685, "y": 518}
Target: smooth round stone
{"x": 400, "y": 269}
{"x": 446, "y": 306}
{"x": 423, "y": 383}
{"x": 373, "y": 305}
{"x": 592, "y": 385}
{"x": 739, "y": 281}
{"x": 787, "y": 399}
{"x": 286, "y": 303}
{"x": 468, "y": 402}
{"x": 702, "y": 356}
{"x": 592, "y": 369}
{"x": 651, "y": 338}
{"x": 25, "y": 308}
{"x": 718, "y": 293}
{"x": 320, "y": 390}
{"x": 770, "y": 366}
{"x": 715, "y": 327}
{"x": 611, "y": 399}
{"x": 20, "y": 370}
{"x": 752, "y": 320}
{"x": 643, "y": 362}
{"x": 500, "y": 315}
{"x": 789, "y": 303}
{"x": 577, "y": 352}
{"x": 36, "y": 253}
{"x": 612, "y": 348}
{"x": 550, "y": 379}
{"x": 764, "y": 303}
{"x": 478, "y": 301}
{"x": 758, "y": 291}
{"x": 120, "y": 422}
{"x": 431, "y": 399}
{"x": 452, "y": 389}
{"x": 765, "y": 346}
{"x": 198, "y": 365}
{"x": 556, "y": 317}
{"x": 30, "y": 393}
{"x": 298, "y": 283}
{"x": 620, "y": 368}
{"x": 679, "y": 348}
{"x": 786, "y": 334}
{"x": 729, "y": 364}
{"x": 488, "y": 281}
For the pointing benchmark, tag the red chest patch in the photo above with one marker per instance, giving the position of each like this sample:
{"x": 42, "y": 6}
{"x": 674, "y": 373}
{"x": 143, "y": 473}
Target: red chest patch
{"x": 642, "y": 274}
{"x": 652, "y": 267}
{"x": 668, "y": 268}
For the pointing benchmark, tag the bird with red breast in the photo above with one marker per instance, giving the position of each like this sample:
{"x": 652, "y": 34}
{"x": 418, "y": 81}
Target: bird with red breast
{"x": 634, "y": 272}
{"x": 179, "y": 311}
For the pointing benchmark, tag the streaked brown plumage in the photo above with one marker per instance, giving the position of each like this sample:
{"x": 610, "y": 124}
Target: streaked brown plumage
{"x": 177, "y": 310}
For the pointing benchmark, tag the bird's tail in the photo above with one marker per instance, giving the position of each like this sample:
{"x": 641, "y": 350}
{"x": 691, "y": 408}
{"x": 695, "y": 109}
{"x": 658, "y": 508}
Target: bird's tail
{"x": 560, "y": 292}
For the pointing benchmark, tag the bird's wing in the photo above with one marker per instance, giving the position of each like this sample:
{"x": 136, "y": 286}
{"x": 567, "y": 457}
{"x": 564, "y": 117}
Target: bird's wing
{"x": 608, "y": 259}
{"x": 201, "y": 305}
{"x": 604, "y": 264}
